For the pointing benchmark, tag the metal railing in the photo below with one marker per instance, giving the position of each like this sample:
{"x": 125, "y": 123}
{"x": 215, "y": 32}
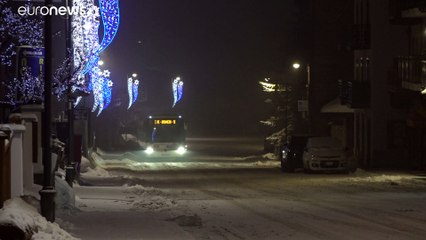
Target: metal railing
{"x": 411, "y": 69}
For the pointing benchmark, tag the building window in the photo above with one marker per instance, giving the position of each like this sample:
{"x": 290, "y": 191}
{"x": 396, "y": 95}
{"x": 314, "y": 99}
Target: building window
{"x": 361, "y": 27}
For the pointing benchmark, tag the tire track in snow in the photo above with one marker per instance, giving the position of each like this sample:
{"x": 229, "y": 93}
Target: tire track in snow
{"x": 296, "y": 227}
{"x": 404, "y": 226}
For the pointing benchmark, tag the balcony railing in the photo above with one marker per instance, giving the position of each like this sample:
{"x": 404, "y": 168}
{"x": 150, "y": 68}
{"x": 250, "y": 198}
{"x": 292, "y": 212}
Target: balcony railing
{"x": 411, "y": 72}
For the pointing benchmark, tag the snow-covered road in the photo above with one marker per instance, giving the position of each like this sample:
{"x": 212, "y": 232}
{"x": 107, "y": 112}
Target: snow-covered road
{"x": 250, "y": 199}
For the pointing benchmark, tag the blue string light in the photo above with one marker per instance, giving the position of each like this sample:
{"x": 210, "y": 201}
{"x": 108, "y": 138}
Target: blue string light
{"x": 86, "y": 41}
{"x": 110, "y": 13}
{"x": 130, "y": 91}
{"x": 177, "y": 86}
{"x": 133, "y": 91}
{"x": 107, "y": 91}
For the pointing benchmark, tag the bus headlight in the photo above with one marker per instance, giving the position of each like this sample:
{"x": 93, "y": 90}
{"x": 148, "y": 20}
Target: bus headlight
{"x": 181, "y": 150}
{"x": 149, "y": 150}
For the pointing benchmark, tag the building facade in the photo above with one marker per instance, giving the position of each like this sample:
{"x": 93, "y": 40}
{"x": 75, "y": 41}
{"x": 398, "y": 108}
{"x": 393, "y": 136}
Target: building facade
{"x": 389, "y": 76}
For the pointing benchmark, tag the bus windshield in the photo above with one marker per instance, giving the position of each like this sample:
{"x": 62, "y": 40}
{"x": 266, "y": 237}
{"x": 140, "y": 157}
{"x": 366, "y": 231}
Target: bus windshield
{"x": 161, "y": 129}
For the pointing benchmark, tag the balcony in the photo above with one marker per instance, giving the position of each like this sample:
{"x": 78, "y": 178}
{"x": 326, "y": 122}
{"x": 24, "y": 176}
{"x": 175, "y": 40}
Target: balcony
{"x": 361, "y": 36}
{"x": 411, "y": 72}
{"x": 407, "y": 11}
{"x": 358, "y": 94}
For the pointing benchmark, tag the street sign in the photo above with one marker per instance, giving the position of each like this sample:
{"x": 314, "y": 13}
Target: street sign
{"x": 32, "y": 58}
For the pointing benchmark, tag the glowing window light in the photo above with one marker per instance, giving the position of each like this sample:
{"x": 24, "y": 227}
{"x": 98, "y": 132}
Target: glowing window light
{"x": 177, "y": 86}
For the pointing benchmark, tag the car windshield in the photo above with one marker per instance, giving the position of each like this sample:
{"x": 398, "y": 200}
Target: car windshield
{"x": 324, "y": 142}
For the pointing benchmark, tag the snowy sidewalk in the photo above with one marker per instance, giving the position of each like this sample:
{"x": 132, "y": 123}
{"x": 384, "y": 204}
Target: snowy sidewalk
{"x": 123, "y": 225}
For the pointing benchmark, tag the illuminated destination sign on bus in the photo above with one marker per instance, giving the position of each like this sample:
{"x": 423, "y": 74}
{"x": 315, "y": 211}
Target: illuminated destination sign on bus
{"x": 164, "y": 122}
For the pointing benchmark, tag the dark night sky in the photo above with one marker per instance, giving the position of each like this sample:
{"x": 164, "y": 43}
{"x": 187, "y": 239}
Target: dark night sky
{"x": 221, "y": 49}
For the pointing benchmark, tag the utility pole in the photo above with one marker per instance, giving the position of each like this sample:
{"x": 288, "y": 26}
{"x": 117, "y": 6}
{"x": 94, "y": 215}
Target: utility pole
{"x": 47, "y": 194}
{"x": 308, "y": 83}
{"x": 69, "y": 168}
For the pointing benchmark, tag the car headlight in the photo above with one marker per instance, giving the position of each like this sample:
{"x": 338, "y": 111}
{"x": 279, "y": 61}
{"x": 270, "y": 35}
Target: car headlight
{"x": 181, "y": 150}
{"x": 149, "y": 150}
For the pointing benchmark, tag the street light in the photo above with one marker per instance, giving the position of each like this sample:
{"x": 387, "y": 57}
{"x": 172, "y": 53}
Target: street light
{"x": 296, "y": 66}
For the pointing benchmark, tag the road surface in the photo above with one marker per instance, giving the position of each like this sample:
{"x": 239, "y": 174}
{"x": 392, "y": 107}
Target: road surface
{"x": 243, "y": 199}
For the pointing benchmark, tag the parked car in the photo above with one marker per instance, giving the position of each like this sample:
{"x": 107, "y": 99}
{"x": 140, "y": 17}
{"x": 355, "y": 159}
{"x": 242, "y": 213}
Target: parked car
{"x": 292, "y": 153}
{"x": 325, "y": 154}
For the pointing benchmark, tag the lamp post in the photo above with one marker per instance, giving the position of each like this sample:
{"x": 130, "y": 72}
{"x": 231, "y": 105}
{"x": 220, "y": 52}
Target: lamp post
{"x": 296, "y": 66}
{"x": 69, "y": 168}
{"x": 47, "y": 194}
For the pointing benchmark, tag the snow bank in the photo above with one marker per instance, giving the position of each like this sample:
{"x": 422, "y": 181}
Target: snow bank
{"x": 149, "y": 198}
{"x": 18, "y": 213}
{"x": 84, "y": 165}
{"x": 96, "y": 172}
{"x": 270, "y": 156}
{"x": 65, "y": 197}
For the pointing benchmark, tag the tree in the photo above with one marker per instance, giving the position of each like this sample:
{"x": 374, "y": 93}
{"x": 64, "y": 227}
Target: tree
{"x": 281, "y": 120}
{"x": 17, "y": 30}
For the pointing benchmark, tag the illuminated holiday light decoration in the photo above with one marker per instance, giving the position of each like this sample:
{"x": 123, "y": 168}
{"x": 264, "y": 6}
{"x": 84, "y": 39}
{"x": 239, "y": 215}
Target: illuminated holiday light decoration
{"x": 24, "y": 89}
{"x": 96, "y": 80}
{"x": 130, "y": 91}
{"x": 110, "y": 13}
{"x": 133, "y": 90}
{"x": 177, "y": 86}
{"x": 17, "y": 30}
{"x": 107, "y": 91}
{"x": 268, "y": 87}
{"x": 101, "y": 86}
{"x": 87, "y": 47}
{"x": 85, "y": 37}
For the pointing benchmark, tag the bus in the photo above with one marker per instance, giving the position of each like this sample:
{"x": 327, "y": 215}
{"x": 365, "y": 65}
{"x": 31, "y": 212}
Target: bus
{"x": 164, "y": 133}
